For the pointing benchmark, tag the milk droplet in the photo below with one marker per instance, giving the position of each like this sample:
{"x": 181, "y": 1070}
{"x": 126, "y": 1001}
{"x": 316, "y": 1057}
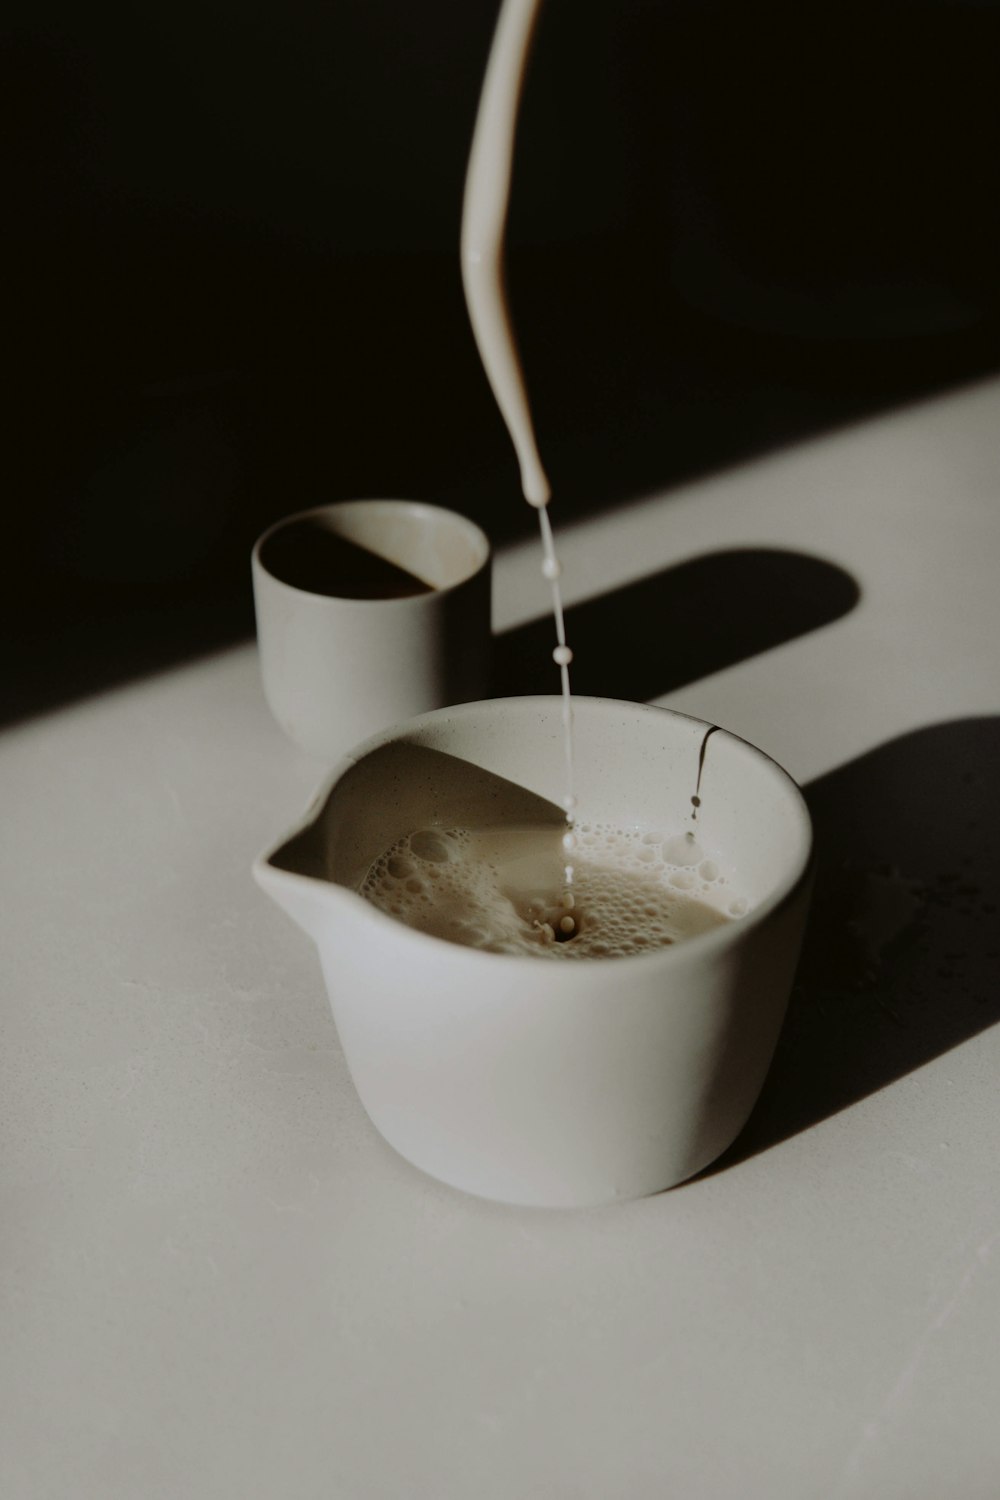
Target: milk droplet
{"x": 562, "y": 656}
{"x": 569, "y": 841}
{"x": 551, "y": 568}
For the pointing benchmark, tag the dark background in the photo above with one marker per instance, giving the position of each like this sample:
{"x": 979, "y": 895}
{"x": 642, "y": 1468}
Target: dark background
{"x": 234, "y": 287}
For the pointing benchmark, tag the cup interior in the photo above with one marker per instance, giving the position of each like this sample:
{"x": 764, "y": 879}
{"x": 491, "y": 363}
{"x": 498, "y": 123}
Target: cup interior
{"x": 501, "y": 761}
{"x": 373, "y": 549}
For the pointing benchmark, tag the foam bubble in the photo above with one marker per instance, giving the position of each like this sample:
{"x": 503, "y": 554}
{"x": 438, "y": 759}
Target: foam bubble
{"x": 428, "y": 844}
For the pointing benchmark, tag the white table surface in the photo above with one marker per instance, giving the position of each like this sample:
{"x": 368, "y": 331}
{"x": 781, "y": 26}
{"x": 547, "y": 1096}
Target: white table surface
{"x": 216, "y": 1280}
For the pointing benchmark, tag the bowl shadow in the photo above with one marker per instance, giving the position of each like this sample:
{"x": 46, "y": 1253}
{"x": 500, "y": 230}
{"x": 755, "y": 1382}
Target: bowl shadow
{"x": 901, "y": 951}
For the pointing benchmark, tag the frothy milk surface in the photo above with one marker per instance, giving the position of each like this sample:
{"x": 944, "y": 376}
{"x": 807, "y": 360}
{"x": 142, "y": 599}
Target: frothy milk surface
{"x": 634, "y": 890}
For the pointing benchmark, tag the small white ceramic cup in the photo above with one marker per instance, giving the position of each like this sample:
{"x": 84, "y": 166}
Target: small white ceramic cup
{"x": 368, "y": 612}
{"x": 545, "y": 1081}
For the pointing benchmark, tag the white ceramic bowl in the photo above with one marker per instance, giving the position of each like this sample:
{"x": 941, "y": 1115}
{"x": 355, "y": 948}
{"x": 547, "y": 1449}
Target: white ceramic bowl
{"x": 546, "y": 1082}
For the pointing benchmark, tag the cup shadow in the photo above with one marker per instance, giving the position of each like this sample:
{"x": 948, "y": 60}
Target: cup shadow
{"x": 901, "y": 951}
{"x": 443, "y": 790}
{"x": 678, "y": 625}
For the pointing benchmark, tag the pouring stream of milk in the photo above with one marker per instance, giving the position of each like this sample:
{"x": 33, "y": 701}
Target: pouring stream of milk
{"x": 484, "y": 218}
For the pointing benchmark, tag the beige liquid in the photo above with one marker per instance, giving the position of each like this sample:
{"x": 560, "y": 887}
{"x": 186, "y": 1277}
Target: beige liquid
{"x": 492, "y": 889}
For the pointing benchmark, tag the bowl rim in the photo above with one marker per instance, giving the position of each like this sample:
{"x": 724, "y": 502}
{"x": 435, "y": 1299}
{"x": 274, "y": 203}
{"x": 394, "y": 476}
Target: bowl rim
{"x": 715, "y": 940}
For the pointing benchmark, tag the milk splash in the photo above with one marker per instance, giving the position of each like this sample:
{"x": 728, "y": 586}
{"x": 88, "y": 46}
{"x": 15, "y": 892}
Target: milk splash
{"x": 484, "y": 218}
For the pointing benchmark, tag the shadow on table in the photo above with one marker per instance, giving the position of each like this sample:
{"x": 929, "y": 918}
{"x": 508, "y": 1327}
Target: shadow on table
{"x": 678, "y": 625}
{"x": 902, "y": 949}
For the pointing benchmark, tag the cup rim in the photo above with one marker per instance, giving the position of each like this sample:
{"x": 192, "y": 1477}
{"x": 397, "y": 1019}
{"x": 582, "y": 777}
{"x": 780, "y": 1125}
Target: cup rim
{"x": 387, "y": 503}
{"x": 715, "y": 940}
